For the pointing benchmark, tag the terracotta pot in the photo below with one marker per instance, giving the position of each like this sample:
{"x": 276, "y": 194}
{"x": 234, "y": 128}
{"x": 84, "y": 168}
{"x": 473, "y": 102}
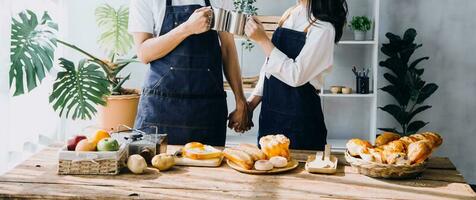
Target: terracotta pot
{"x": 120, "y": 110}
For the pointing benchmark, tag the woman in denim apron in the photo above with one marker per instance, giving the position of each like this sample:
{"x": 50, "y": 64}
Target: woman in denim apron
{"x": 183, "y": 94}
{"x": 298, "y": 56}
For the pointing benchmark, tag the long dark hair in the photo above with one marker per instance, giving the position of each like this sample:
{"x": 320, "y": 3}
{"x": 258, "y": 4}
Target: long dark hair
{"x": 332, "y": 11}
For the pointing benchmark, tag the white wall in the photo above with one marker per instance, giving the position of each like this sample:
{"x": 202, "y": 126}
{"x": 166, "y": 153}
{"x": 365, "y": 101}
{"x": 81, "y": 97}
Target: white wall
{"x": 446, "y": 29}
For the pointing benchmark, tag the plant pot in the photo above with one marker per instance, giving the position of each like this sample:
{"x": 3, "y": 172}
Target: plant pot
{"x": 360, "y": 35}
{"x": 119, "y": 110}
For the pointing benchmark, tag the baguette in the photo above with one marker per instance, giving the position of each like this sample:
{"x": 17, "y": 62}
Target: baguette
{"x": 241, "y": 158}
{"x": 385, "y": 138}
{"x": 253, "y": 150}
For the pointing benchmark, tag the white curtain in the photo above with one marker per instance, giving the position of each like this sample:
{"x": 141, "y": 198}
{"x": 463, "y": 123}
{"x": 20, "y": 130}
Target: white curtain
{"x": 27, "y": 122}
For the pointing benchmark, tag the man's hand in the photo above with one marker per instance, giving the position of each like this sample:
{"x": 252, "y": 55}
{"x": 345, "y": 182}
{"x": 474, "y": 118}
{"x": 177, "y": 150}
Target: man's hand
{"x": 199, "y": 21}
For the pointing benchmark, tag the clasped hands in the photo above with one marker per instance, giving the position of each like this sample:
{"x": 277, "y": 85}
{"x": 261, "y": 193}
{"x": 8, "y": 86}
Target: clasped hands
{"x": 240, "y": 119}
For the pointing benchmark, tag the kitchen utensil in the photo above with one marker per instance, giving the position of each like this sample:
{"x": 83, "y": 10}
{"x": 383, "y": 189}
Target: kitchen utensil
{"x": 140, "y": 142}
{"x": 354, "y": 69}
{"x": 292, "y": 164}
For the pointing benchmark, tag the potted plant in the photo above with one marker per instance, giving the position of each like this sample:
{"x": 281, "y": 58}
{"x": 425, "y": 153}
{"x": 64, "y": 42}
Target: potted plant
{"x": 406, "y": 84}
{"x": 360, "y": 25}
{"x": 80, "y": 87}
{"x": 247, "y": 7}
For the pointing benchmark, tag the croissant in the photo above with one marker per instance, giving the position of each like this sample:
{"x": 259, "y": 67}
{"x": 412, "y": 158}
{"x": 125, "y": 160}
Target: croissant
{"x": 356, "y": 146}
{"x": 385, "y": 138}
{"x": 419, "y": 151}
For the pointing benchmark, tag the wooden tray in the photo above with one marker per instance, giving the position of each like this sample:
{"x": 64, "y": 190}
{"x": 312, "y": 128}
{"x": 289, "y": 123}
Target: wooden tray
{"x": 291, "y": 165}
{"x": 321, "y": 170}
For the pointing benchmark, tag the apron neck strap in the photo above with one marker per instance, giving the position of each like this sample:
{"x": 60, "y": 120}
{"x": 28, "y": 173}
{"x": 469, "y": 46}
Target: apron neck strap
{"x": 207, "y": 3}
{"x": 288, "y": 13}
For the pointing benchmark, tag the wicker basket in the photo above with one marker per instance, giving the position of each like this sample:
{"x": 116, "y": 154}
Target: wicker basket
{"x": 91, "y": 163}
{"x": 377, "y": 170}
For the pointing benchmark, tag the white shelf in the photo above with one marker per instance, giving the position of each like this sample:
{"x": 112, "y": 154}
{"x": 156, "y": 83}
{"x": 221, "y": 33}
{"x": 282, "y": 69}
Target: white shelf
{"x": 327, "y": 94}
{"x": 368, "y": 42}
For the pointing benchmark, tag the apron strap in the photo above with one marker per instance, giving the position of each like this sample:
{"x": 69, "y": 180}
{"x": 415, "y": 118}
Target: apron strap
{"x": 288, "y": 13}
{"x": 169, "y": 3}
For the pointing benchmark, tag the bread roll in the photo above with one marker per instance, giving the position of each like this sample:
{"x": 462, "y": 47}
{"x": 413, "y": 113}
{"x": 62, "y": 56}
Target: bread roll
{"x": 278, "y": 161}
{"x": 434, "y": 139}
{"x": 239, "y": 157}
{"x": 263, "y": 165}
{"x": 275, "y": 145}
{"x": 365, "y": 154}
{"x": 377, "y": 155}
{"x": 408, "y": 140}
{"x": 419, "y": 151}
{"x": 355, "y": 146}
{"x": 253, "y": 150}
{"x": 385, "y": 138}
{"x": 398, "y": 158}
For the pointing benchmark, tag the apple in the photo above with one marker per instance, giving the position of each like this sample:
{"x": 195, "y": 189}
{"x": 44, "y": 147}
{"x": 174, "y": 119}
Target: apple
{"x": 72, "y": 142}
{"x": 108, "y": 144}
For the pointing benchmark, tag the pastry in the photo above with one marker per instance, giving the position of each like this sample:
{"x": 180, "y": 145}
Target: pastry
{"x": 398, "y": 158}
{"x": 377, "y": 155}
{"x": 275, "y": 145}
{"x": 241, "y": 158}
{"x": 365, "y": 154}
{"x": 395, "y": 146}
{"x": 408, "y": 140}
{"x": 279, "y": 161}
{"x": 419, "y": 151}
{"x": 199, "y": 151}
{"x": 253, "y": 151}
{"x": 263, "y": 165}
{"x": 434, "y": 139}
{"x": 355, "y": 146}
{"x": 385, "y": 138}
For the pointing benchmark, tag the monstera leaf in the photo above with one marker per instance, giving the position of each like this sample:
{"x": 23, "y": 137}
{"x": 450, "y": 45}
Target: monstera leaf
{"x": 113, "y": 23}
{"x": 32, "y": 50}
{"x": 78, "y": 89}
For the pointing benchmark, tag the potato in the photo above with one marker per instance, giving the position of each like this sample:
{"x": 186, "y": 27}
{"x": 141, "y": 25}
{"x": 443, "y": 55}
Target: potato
{"x": 136, "y": 164}
{"x": 163, "y": 161}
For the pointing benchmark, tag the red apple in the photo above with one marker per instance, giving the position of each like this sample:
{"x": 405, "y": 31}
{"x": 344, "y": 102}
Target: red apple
{"x": 74, "y": 141}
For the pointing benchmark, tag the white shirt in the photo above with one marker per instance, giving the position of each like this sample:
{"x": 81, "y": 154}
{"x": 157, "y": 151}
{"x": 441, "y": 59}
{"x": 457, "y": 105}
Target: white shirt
{"x": 146, "y": 16}
{"x": 311, "y": 65}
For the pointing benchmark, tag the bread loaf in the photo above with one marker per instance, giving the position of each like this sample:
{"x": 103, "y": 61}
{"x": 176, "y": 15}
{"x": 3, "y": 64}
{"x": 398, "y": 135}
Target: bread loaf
{"x": 356, "y": 146}
{"x": 241, "y": 158}
{"x": 419, "y": 151}
{"x": 253, "y": 151}
{"x": 386, "y": 137}
{"x": 198, "y": 151}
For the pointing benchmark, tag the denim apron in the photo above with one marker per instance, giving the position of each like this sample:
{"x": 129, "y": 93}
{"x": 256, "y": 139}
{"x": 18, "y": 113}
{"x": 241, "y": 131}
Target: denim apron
{"x": 183, "y": 93}
{"x": 293, "y": 111}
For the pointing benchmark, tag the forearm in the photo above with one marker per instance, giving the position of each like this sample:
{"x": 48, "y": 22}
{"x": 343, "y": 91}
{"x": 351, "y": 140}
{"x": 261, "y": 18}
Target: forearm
{"x": 231, "y": 67}
{"x": 267, "y": 46}
{"x": 254, "y": 101}
{"x": 156, "y": 48}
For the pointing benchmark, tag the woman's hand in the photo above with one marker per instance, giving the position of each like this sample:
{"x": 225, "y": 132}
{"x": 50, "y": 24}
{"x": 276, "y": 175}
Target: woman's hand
{"x": 255, "y": 31}
{"x": 200, "y": 21}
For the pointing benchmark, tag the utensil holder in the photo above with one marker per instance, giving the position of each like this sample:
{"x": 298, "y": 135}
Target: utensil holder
{"x": 362, "y": 85}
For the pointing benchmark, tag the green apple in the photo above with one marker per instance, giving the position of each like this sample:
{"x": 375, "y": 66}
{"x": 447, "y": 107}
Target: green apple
{"x": 108, "y": 144}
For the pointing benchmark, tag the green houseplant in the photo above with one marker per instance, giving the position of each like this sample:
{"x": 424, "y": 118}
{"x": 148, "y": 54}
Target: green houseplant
{"x": 406, "y": 84}
{"x": 360, "y": 25}
{"x": 78, "y": 88}
{"x": 247, "y": 7}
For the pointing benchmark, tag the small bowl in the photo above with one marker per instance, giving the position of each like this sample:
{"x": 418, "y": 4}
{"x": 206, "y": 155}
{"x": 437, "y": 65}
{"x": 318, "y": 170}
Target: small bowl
{"x": 336, "y": 89}
{"x": 346, "y": 90}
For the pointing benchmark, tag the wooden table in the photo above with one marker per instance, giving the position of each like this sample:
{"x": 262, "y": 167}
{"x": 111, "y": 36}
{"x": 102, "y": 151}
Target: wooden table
{"x": 36, "y": 178}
